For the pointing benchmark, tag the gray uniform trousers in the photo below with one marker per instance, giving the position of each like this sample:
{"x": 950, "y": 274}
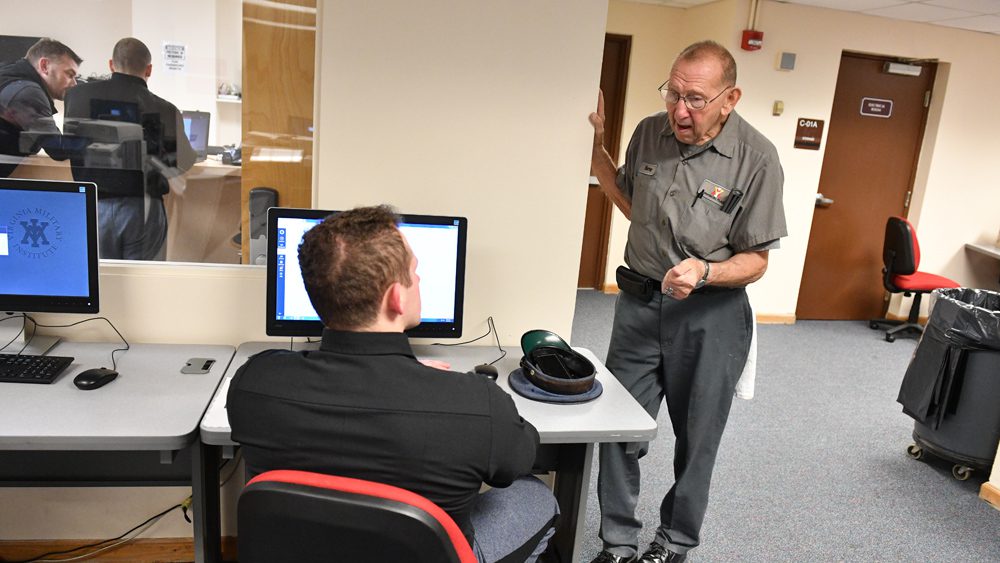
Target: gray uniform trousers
{"x": 690, "y": 352}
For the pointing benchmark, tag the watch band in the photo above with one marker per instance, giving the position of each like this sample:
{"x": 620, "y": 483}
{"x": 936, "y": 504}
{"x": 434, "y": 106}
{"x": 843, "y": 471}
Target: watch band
{"x": 704, "y": 279}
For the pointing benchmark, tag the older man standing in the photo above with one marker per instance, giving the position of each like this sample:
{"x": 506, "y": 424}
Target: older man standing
{"x": 702, "y": 189}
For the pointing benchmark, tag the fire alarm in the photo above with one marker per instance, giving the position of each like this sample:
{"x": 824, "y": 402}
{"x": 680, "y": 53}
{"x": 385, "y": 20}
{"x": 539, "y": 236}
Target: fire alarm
{"x": 753, "y": 40}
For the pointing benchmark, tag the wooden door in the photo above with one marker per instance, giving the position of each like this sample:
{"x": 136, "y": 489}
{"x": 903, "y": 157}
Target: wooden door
{"x": 279, "y": 60}
{"x": 597, "y": 224}
{"x": 867, "y": 176}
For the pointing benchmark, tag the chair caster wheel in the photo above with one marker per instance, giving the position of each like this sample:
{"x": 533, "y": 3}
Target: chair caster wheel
{"x": 914, "y": 451}
{"x": 961, "y": 472}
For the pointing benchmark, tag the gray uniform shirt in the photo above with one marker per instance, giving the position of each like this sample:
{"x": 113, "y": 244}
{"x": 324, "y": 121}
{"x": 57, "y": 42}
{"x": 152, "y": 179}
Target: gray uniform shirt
{"x": 671, "y": 221}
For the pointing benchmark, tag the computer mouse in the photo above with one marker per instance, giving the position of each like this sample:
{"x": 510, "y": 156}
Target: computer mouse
{"x": 488, "y": 370}
{"x": 94, "y": 378}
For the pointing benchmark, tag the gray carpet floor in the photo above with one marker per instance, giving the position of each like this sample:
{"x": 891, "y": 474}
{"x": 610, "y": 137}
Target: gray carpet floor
{"x": 814, "y": 468}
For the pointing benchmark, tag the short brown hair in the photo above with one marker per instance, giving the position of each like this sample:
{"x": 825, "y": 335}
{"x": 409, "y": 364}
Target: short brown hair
{"x": 50, "y": 49}
{"x": 131, "y": 56}
{"x": 349, "y": 261}
{"x": 709, "y": 48}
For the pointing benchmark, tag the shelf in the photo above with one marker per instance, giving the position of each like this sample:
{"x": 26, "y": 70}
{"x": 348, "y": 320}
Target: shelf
{"x": 229, "y": 99}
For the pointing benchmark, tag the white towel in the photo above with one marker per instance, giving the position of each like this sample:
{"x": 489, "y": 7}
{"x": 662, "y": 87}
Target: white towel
{"x": 744, "y": 387}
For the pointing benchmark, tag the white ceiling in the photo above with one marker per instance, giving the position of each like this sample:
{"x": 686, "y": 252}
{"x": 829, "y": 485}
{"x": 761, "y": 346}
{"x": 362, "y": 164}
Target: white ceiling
{"x": 973, "y": 15}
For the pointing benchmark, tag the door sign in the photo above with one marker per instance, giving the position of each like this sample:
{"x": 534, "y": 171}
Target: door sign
{"x": 875, "y": 107}
{"x": 809, "y": 133}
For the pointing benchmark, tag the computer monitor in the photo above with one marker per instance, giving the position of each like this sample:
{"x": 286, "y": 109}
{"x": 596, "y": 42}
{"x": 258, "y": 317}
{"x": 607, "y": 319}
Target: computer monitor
{"x": 196, "y": 128}
{"x": 48, "y": 246}
{"x": 438, "y": 242}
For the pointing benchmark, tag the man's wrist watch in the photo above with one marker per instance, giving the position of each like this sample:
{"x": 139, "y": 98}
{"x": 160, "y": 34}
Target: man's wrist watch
{"x": 704, "y": 279}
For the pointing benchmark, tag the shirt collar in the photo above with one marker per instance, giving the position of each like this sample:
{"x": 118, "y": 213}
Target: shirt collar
{"x": 366, "y": 343}
{"x": 121, "y": 76}
{"x": 724, "y": 143}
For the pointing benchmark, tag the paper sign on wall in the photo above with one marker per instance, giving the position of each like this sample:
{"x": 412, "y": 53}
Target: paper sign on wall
{"x": 174, "y": 56}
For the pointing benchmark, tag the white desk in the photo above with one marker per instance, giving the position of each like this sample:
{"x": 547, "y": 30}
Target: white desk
{"x": 568, "y": 432}
{"x": 990, "y": 250}
{"x": 139, "y": 429}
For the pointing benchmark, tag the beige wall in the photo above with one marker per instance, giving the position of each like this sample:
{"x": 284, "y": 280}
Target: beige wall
{"x": 956, "y": 183}
{"x": 476, "y": 109}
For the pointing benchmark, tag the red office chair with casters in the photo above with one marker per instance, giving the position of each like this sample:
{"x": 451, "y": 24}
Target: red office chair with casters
{"x": 298, "y": 516}
{"x": 901, "y": 257}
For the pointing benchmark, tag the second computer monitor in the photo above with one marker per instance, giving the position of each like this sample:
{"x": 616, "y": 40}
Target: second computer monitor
{"x": 196, "y": 128}
{"x": 437, "y": 241}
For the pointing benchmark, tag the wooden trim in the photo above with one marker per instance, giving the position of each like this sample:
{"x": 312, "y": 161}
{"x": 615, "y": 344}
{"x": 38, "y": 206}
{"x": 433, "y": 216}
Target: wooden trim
{"x": 776, "y": 319}
{"x": 165, "y": 550}
{"x": 894, "y": 317}
{"x": 610, "y": 288}
{"x": 991, "y": 494}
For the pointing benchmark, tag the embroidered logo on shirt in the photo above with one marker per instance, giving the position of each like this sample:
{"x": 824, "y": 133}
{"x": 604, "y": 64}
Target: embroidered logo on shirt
{"x": 647, "y": 169}
{"x": 714, "y": 192}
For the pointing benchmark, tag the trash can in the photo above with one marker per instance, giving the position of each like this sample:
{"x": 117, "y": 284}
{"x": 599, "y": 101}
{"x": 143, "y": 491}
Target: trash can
{"x": 953, "y": 381}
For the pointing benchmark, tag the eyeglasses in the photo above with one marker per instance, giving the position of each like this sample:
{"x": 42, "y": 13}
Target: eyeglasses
{"x": 693, "y": 102}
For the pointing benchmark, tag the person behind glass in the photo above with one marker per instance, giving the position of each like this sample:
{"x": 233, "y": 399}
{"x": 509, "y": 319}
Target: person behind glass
{"x": 702, "y": 189}
{"x": 363, "y": 406}
{"x": 148, "y": 148}
{"x": 28, "y": 88}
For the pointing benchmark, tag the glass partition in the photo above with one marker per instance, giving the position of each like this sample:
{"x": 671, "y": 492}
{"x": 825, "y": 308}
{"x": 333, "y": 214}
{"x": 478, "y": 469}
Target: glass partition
{"x": 179, "y": 111}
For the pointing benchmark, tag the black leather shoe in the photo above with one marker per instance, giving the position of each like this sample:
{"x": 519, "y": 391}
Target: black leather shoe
{"x": 659, "y": 554}
{"x": 608, "y": 557}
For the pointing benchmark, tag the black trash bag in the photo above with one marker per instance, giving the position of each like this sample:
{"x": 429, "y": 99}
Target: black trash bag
{"x": 961, "y": 321}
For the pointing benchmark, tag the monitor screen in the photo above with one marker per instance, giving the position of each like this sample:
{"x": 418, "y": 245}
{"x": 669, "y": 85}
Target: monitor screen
{"x": 48, "y": 246}
{"x": 437, "y": 241}
{"x": 196, "y": 130}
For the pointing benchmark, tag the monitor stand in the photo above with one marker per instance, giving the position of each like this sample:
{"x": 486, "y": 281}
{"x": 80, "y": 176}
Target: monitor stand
{"x": 37, "y": 345}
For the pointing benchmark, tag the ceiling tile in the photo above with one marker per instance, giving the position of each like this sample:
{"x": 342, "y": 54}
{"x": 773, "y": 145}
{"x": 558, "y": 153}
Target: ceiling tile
{"x": 847, "y": 5}
{"x": 978, "y": 6}
{"x": 989, "y": 24}
{"x": 918, "y": 12}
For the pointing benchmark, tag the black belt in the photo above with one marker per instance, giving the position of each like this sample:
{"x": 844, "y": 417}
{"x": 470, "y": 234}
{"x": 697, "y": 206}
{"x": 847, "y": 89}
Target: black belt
{"x": 636, "y": 284}
{"x": 644, "y": 287}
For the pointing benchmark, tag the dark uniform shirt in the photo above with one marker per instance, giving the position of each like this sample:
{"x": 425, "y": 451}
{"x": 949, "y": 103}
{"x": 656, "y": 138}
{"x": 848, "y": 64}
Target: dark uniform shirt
{"x": 671, "y": 221}
{"x": 363, "y": 406}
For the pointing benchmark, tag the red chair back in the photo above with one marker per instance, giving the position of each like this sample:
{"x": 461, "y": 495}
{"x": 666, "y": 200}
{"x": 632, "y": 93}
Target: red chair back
{"x": 288, "y": 515}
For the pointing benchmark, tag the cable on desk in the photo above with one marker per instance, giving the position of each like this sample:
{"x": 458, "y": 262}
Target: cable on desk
{"x": 19, "y": 333}
{"x": 114, "y": 362}
{"x": 490, "y": 328}
{"x": 141, "y": 528}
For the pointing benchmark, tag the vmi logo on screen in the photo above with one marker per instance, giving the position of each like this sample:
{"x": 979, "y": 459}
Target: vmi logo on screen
{"x": 34, "y": 233}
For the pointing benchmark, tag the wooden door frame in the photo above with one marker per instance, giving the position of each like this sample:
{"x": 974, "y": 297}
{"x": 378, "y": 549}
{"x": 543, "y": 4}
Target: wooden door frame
{"x": 614, "y": 134}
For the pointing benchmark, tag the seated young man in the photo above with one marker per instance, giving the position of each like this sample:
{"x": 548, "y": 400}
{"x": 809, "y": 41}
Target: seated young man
{"x": 363, "y": 406}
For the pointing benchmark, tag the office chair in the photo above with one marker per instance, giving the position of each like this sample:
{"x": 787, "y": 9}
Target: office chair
{"x": 901, "y": 258}
{"x": 299, "y": 516}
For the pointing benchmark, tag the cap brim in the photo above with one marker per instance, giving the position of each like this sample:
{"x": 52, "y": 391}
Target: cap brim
{"x": 539, "y": 337}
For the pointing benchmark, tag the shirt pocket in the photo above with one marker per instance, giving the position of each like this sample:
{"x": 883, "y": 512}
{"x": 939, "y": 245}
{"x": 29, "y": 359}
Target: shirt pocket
{"x": 644, "y": 201}
{"x": 704, "y": 228}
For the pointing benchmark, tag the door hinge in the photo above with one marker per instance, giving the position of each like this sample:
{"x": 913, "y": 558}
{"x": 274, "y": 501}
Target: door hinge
{"x": 906, "y": 203}
{"x": 927, "y": 99}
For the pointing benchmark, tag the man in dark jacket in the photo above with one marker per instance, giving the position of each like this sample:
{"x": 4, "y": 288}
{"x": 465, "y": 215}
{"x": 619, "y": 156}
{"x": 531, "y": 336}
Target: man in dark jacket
{"x": 137, "y": 145}
{"x": 27, "y": 90}
{"x": 363, "y": 406}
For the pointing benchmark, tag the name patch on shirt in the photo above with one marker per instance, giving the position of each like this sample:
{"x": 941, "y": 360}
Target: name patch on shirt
{"x": 647, "y": 169}
{"x": 714, "y": 192}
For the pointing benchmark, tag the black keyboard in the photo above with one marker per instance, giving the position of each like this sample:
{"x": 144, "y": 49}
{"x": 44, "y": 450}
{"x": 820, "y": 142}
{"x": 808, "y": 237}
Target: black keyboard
{"x": 26, "y": 368}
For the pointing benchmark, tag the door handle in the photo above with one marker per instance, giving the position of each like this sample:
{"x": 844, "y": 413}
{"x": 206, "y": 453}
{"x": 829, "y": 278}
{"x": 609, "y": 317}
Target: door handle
{"x": 823, "y": 201}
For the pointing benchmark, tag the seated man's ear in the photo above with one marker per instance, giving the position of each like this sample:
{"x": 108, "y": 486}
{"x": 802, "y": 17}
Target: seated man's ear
{"x": 394, "y": 299}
